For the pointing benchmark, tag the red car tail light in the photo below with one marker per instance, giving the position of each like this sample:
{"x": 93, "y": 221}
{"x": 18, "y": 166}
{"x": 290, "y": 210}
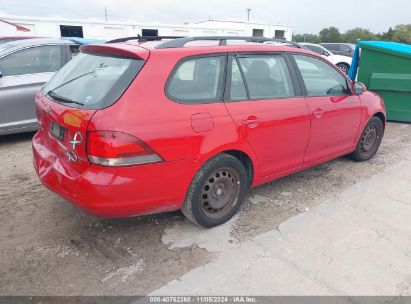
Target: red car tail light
{"x": 111, "y": 148}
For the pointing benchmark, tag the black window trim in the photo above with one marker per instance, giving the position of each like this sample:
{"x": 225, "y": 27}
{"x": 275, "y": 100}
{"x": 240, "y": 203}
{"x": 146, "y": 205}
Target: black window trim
{"x": 62, "y": 59}
{"x": 221, "y": 85}
{"x": 236, "y": 55}
{"x": 301, "y": 79}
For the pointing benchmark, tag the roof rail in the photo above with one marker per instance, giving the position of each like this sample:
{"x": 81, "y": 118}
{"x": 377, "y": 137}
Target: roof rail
{"x": 180, "y": 42}
{"x": 143, "y": 38}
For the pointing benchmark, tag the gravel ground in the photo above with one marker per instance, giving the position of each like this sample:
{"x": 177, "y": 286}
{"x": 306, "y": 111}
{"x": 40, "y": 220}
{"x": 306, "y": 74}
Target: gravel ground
{"x": 48, "y": 247}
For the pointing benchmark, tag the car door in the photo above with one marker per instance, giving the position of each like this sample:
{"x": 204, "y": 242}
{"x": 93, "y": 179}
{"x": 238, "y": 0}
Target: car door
{"x": 23, "y": 73}
{"x": 335, "y": 111}
{"x": 264, "y": 100}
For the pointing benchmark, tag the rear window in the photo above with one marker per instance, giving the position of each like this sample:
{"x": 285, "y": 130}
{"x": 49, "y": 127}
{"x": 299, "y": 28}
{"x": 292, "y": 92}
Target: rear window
{"x": 92, "y": 81}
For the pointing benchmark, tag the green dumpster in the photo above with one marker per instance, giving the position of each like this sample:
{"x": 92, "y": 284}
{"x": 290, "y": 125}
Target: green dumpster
{"x": 385, "y": 68}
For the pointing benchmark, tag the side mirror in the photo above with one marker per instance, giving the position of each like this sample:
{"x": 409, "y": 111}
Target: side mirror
{"x": 359, "y": 88}
{"x": 325, "y": 53}
{"x": 1, "y": 75}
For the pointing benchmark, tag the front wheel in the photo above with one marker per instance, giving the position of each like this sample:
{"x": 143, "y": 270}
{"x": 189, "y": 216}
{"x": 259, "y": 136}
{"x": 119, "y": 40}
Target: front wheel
{"x": 343, "y": 67}
{"x": 216, "y": 192}
{"x": 369, "y": 141}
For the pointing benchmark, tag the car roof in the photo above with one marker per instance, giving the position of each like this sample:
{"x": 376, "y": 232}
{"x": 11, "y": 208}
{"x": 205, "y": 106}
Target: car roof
{"x": 12, "y": 46}
{"x": 197, "y": 49}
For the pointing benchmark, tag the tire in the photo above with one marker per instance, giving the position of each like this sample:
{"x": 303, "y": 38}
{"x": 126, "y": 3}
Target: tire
{"x": 344, "y": 67}
{"x": 369, "y": 141}
{"x": 216, "y": 192}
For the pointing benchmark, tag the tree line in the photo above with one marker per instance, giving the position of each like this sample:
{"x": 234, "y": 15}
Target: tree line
{"x": 400, "y": 33}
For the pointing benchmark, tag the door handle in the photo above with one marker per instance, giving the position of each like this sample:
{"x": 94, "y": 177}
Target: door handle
{"x": 318, "y": 114}
{"x": 251, "y": 122}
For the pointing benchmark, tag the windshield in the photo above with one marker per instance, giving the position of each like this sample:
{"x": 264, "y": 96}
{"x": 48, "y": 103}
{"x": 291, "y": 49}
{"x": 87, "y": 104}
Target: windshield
{"x": 92, "y": 81}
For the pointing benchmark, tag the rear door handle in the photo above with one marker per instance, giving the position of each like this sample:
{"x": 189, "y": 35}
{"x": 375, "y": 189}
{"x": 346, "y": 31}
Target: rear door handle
{"x": 251, "y": 122}
{"x": 318, "y": 114}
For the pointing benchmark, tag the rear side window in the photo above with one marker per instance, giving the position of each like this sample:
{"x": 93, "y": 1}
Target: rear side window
{"x": 197, "y": 80}
{"x": 320, "y": 78}
{"x": 34, "y": 60}
{"x": 267, "y": 76}
{"x": 92, "y": 81}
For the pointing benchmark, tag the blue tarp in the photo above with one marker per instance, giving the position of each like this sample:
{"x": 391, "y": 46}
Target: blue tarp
{"x": 389, "y": 46}
{"x": 352, "y": 73}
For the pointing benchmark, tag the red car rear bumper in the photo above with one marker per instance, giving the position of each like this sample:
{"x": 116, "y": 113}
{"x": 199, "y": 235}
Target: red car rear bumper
{"x": 117, "y": 192}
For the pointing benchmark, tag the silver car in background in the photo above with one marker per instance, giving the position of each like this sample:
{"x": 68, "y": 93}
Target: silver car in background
{"x": 25, "y": 65}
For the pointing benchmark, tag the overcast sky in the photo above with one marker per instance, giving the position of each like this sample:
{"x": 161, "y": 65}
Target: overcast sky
{"x": 307, "y": 16}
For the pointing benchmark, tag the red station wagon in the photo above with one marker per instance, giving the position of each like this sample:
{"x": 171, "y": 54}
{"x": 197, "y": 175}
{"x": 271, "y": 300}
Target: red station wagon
{"x": 141, "y": 127}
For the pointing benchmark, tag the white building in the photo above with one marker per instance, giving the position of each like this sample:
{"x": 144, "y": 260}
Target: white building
{"x": 98, "y": 29}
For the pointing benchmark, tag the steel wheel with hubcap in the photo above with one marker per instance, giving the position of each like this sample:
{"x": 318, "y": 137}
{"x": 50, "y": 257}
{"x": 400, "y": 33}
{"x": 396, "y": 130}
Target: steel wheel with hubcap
{"x": 216, "y": 192}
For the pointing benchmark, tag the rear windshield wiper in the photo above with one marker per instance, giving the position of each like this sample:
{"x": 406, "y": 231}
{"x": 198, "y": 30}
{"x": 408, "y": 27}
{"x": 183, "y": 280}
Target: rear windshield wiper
{"x": 101, "y": 66}
{"x": 62, "y": 99}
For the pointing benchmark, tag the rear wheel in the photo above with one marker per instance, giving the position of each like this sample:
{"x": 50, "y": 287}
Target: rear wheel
{"x": 369, "y": 141}
{"x": 216, "y": 192}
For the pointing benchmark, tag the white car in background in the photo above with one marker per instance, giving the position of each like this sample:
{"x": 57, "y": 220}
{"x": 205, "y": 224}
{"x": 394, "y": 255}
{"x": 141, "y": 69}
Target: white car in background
{"x": 343, "y": 62}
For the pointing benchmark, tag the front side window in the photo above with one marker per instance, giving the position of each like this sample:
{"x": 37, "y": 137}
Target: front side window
{"x": 197, "y": 80}
{"x": 267, "y": 76}
{"x": 320, "y": 78}
{"x": 316, "y": 49}
{"x": 34, "y": 60}
{"x": 345, "y": 48}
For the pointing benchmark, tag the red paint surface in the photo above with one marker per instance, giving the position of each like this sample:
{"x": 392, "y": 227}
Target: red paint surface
{"x": 280, "y": 137}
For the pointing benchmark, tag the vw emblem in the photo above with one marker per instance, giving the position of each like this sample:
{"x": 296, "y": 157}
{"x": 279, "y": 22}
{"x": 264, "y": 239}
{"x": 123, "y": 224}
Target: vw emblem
{"x": 77, "y": 140}
{"x": 47, "y": 109}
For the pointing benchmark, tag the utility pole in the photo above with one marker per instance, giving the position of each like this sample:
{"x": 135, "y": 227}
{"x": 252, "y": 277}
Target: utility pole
{"x": 105, "y": 13}
{"x": 248, "y": 14}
